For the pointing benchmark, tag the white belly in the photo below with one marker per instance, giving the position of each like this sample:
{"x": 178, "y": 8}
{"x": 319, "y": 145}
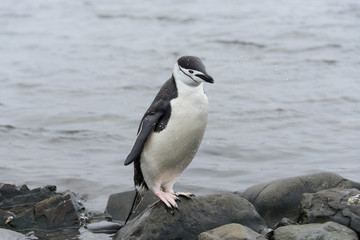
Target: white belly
{"x": 166, "y": 154}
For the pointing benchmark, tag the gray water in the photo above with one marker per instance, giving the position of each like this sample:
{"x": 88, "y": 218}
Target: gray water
{"x": 77, "y": 76}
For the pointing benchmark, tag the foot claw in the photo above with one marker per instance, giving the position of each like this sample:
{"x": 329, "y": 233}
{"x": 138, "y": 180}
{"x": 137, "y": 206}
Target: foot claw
{"x": 184, "y": 194}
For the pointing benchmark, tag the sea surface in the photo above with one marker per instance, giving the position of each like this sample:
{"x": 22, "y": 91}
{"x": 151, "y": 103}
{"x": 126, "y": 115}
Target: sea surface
{"x": 77, "y": 76}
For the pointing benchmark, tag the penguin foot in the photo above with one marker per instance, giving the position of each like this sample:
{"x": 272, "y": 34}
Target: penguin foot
{"x": 185, "y": 194}
{"x": 168, "y": 199}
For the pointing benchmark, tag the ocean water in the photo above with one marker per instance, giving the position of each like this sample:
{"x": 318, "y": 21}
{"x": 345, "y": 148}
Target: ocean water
{"x": 77, "y": 76}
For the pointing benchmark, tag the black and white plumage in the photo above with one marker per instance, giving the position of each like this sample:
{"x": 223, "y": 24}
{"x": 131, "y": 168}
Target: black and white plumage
{"x": 170, "y": 132}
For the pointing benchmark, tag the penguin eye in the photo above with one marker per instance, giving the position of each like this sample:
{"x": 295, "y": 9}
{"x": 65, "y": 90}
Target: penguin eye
{"x": 191, "y": 71}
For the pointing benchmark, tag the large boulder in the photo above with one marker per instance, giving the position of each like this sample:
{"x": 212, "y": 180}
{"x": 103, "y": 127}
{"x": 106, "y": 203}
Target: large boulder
{"x": 232, "y": 231}
{"x": 196, "y": 215}
{"x": 119, "y": 205}
{"x": 323, "y": 231}
{"x": 337, "y": 205}
{"x": 281, "y": 198}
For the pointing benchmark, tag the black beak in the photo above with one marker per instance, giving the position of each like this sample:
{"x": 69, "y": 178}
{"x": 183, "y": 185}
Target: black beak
{"x": 205, "y": 77}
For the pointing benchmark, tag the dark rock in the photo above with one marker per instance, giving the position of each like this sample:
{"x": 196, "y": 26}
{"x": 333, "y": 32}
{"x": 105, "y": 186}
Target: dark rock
{"x": 337, "y": 205}
{"x": 281, "y": 198}
{"x": 233, "y": 231}
{"x": 57, "y": 212}
{"x": 53, "y": 213}
{"x": 325, "y": 231}
{"x": 37, "y": 209}
{"x": 119, "y": 204}
{"x": 285, "y": 222}
{"x": 196, "y": 215}
{"x": 8, "y": 191}
{"x": 6, "y": 216}
{"x": 25, "y": 220}
{"x": 25, "y": 198}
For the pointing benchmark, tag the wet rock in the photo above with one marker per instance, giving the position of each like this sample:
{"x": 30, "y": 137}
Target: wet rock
{"x": 281, "y": 198}
{"x": 20, "y": 199}
{"x": 10, "y": 190}
{"x": 196, "y": 215}
{"x": 325, "y": 231}
{"x": 53, "y": 213}
{"x": 337, "y": 205}
{"x": 104, "y": 227}
{"x": 37, "y": 209}
{"x": 119, "y": 205}
{"x": 11, "y": 235}
{"x": 233, "y": 231}
{"x": 6, "y": 216}
{"x": 57, "y": 212}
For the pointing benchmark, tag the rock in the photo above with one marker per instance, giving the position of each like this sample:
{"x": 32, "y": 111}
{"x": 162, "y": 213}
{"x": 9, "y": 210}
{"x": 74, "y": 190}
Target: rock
{"x": 11, "y": 235}
{"x": 233, "y": 231}
{"x": 6, "y": 216}
{"x": 285, "y": 222}
{"x": 337, "y": 205}
{"x": 56, "y": 212}
{"x": 37, "y": 209}
{"x": 325, "y": 231}
{"x": 196, "y": 215}
{"x": 119, "y": 204}
{"x": 104, "y": 227}
{"x": 20, "y": 199}
{"x": 281, "y": 198}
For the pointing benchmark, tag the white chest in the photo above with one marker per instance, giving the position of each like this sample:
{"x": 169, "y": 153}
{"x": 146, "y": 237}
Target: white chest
{"x": 175, "y": 146}
{"x": 188, "y": 115}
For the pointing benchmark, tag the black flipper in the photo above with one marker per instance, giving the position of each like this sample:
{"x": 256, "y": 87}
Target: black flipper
{"x": 147, "y": 125}
{"x": 137, "y": 199}
{"x": 155, "y": 118}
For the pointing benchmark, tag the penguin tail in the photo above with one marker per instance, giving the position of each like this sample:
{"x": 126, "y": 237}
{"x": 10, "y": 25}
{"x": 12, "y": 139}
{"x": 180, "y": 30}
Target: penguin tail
{"x": 137, "y": 199}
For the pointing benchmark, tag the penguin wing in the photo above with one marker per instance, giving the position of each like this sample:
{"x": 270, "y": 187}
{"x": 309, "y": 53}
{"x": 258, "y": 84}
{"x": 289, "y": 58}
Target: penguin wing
{"x": 146, "y": 126}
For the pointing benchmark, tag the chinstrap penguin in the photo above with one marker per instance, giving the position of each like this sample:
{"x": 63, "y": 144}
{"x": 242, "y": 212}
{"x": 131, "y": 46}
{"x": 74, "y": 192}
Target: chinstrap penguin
{"x": 170, "y": 133}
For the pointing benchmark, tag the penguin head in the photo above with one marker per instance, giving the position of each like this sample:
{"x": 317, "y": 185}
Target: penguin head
{"x": 191, "y": 71}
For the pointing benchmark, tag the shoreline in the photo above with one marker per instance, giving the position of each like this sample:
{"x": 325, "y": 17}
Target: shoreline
{"x": 275, "y": 206}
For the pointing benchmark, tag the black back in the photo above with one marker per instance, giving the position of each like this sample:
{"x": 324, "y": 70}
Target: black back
{"x": 167, "y": 92}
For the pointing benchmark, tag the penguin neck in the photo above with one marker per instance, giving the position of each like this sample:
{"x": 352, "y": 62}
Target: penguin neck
{"x": 186, "y": 88}
{"x": 184, "y": 84}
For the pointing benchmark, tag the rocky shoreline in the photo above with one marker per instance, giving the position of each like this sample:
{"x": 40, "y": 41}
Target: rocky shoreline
{"x": 321, "y": 206}
{"x": 40, "y": 211}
